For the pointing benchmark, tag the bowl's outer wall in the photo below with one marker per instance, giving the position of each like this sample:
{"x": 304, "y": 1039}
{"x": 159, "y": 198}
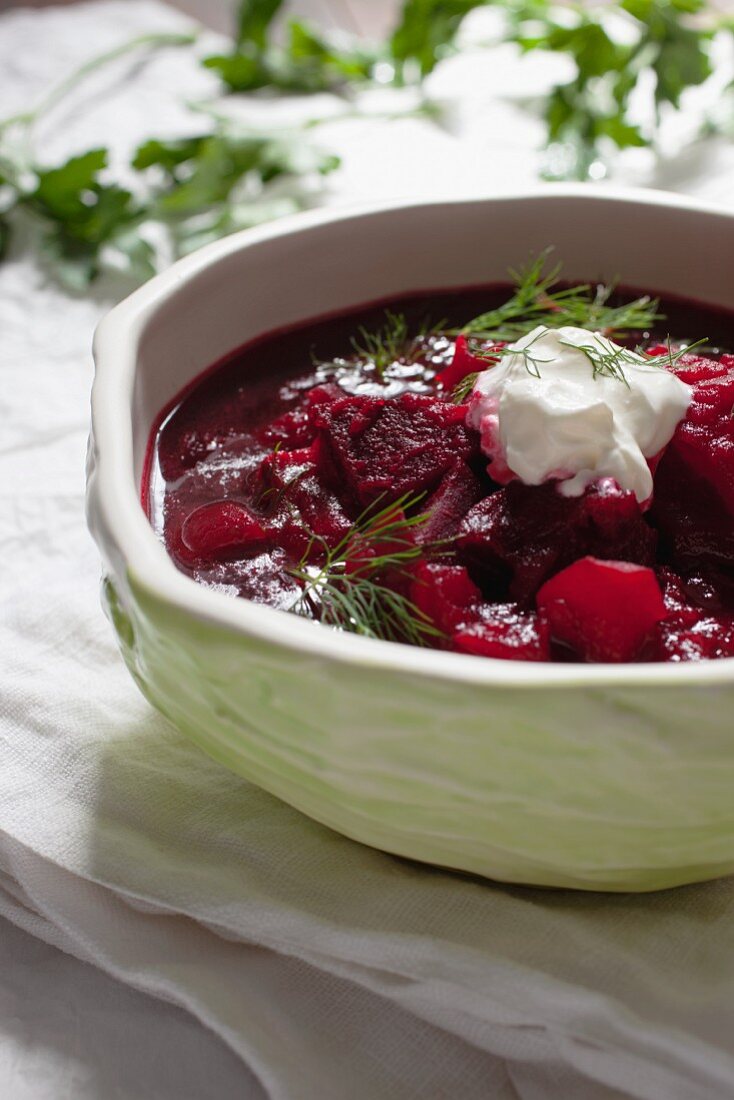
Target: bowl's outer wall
{"x": 619, "y": 787}
{"x": 613, "y": 789}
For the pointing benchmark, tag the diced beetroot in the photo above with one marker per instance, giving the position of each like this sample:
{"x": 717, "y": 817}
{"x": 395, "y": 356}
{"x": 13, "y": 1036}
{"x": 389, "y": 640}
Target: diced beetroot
{"x": 693, "y": 502}
{"x": 293, "y": 429}
{"x": 458, "y": 491}
{"x": 678, "y": 638}
{"x": 603, "y": 610}
{"x": 688, "y": 633}
{"x": 445, "y": 594}
{"x": 464, "y": 362}
{"x": 296, "y": 427}
{"x": 692, "y": 368}
{"x": 222, "y": 527}
{"x": 386, "y": 448}
{"x": 298, "y": 503}
{"x": 361, "y": 553}
{"x": 519, "y": 536}
{"x": 705, "y": 438}
{"x": 325, "y": 394}
{"x": 505, "y": 632}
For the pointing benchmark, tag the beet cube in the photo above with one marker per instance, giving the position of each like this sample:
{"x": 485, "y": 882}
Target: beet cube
{"x": 506, "y": 633}
{"x": 465, "y": 362}
{"x": 693, "y": 501}
{"x": 386, "y": 448}
{"x": 445, "y": 594}
{"x": 296, "y": 428}
{"x": 298, "y": 503}
{"x": 678, "y": 638}
{"x": 220, "y": 528}
{"x": 458, "y": 491}
{"x": 603, "y": 610}
{"x": 522, "y": 534}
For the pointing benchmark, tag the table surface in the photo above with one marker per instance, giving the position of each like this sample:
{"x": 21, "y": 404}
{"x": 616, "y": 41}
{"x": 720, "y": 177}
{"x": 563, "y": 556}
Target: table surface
{"x": 66, "y": 1028}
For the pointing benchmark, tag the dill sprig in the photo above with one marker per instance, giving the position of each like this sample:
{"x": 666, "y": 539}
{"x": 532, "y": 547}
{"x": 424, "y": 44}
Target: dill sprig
{"x": 536, "y": 301}
{"x": 620, "y": 321}
{"x": 462, "y": 389}
{"x": 392, "y": 343}
{"x": 609, "y": 362}
{"x": 348, "y": 590}
{"x": 606, "y": 360}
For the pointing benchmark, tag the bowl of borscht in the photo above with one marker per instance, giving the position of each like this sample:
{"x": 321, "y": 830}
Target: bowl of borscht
{"x": 421, "y": 517}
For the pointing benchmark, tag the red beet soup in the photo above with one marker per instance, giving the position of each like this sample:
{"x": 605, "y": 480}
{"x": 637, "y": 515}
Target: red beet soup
{"x": 331, "y": 470}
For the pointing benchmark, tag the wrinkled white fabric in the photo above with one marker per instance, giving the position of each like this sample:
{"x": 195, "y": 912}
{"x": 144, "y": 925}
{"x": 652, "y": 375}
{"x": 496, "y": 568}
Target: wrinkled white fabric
{"x": 328, "y": 970}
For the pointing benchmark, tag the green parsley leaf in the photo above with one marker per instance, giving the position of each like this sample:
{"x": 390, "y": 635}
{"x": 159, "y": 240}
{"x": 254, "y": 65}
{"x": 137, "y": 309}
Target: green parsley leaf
{"x": 81, "y": 213}
{"x": 426, "y": 31}
{"x": 254, "y": 18}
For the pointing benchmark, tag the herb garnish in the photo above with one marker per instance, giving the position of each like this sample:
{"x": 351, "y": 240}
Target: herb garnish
{"x": 610, "y": 362}
{"x": 538, "y": 300}
{"x": 462, "y": 389}
{"x": 350, "y": 589}
{"x": 392, "y": 343}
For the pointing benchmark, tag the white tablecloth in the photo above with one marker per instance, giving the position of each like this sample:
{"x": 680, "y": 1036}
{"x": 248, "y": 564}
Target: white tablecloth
{"x": 240, "y": 949}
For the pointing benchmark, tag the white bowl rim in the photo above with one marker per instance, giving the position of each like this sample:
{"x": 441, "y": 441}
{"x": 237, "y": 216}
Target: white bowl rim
{"x": 116, "y": 494}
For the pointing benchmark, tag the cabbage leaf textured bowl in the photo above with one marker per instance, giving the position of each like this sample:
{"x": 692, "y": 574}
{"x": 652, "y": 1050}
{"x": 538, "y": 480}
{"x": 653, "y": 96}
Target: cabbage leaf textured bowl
{"x": 595, "y": 777}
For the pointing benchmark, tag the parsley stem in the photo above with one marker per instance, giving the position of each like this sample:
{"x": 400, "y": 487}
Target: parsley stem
{"x": 50, "y": 100}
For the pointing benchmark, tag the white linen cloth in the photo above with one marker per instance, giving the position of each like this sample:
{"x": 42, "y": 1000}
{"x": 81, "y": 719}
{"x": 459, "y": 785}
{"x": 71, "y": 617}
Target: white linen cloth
{"x": 329, "y": 970}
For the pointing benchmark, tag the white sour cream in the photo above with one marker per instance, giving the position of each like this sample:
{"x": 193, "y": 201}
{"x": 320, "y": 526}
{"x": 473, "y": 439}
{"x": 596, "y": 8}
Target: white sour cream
{"x": 544, "y": 414}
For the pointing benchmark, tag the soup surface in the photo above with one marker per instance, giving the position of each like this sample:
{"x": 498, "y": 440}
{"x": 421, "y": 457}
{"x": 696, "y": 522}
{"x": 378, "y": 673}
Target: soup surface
{"x": 332, "y": 470}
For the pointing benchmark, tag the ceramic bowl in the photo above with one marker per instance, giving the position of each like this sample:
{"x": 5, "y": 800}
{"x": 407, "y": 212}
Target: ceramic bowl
{"x": 597, "y": 777}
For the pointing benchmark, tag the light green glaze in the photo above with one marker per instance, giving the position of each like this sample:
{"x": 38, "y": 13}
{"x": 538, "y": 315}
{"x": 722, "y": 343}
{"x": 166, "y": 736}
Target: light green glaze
{"x": 625, "y": 788}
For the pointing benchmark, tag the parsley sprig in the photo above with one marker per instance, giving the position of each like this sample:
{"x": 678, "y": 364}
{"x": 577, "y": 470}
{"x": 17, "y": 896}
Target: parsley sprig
{"x": 301, "y": 58}
{"x": 666, "y": 49}
{"x": 191, "y": 190}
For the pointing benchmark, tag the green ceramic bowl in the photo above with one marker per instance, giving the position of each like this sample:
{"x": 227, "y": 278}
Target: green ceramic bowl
{"x": 596, "y": 777}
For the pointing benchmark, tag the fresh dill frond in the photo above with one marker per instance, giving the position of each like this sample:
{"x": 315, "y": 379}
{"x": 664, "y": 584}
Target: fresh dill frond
{"x": 635, "y": 316}
{"x": 386, "y": 345}
{"x": 609, "y": 362}
{"x": 537, "y": 300}
{"x": 349, "y": 591}
{"x": 462, "y": 389}
{"x": 393, "y": 342}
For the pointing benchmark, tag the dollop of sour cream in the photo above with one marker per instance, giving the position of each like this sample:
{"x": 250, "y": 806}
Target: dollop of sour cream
{"x": 545, "y": 413}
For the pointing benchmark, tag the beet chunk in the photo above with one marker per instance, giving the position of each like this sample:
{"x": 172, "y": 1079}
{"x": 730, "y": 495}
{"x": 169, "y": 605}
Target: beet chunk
{"x": 522, "y": 534}
{"x": 688, "y": 633}
{"x": 505, "y": 632}
{"x": 222, "y": 527}
{"x": 387, "y": 448}
{"x": 603, "y": 610}
{"x": 460, "y": 488}
{"x": 298, "y": 503}
{"x": 296, "y": 428}
{"x": 679, "y": 639}
{"x": 465, "y": 361}
{"x": 453, "y": 603}
{"x": 693, "y": 503}
{"x": 445, "y": 594}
